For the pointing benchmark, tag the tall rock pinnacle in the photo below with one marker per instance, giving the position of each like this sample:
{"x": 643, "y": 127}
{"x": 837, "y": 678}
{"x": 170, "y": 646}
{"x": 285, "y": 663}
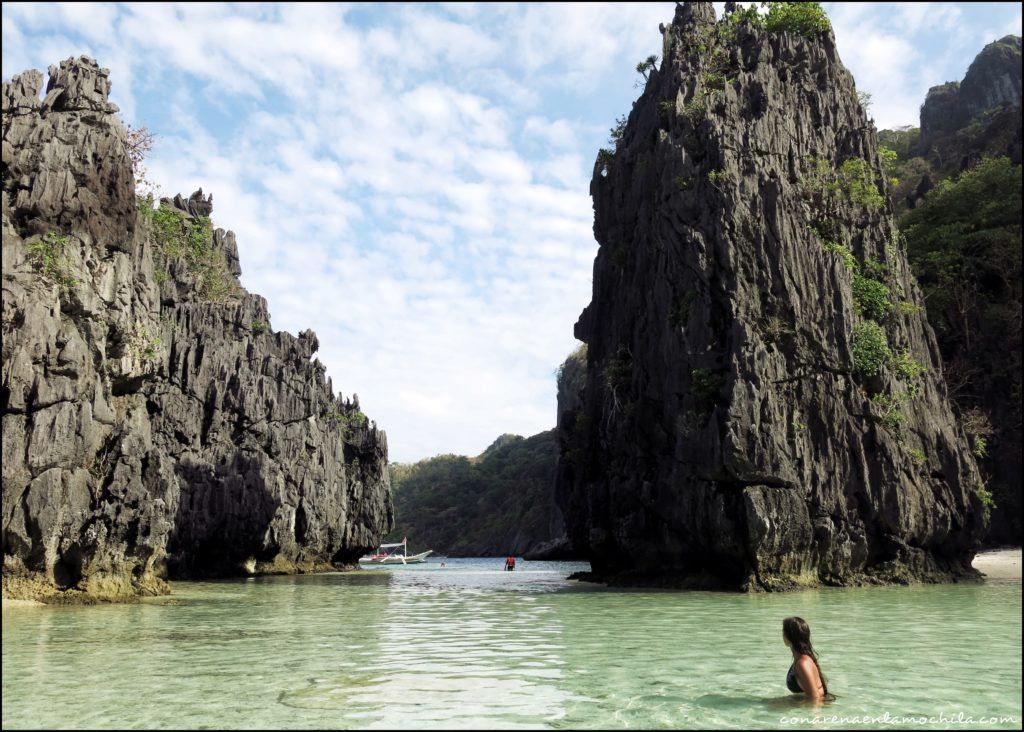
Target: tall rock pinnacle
{"x": 763, "y": 404}
{"x": 154, "y": 425}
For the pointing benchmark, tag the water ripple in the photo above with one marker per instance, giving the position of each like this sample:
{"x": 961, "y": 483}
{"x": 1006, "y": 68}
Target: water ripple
{"x": 472, "y": 646}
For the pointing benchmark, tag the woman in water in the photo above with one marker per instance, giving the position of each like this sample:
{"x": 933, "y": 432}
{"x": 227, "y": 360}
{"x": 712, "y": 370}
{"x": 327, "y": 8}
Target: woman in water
{"x": 805, "y": 674}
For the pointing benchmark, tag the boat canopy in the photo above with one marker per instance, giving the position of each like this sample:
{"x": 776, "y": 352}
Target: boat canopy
{"x": 389, "y": 546}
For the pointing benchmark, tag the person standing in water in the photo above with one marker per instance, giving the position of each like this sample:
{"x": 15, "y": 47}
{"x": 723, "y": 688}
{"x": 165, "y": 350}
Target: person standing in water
{"x": 804, "y": 674}
{"x": 510, "y": 564}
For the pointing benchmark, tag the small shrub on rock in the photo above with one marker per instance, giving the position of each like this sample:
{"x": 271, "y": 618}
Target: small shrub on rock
{"x": 694, "y": 112}
{"x": 48, "y": 257}
{"x": 807, "y": 19}
{"x": 871, "y": 297}
{"x": 870, "y": 348}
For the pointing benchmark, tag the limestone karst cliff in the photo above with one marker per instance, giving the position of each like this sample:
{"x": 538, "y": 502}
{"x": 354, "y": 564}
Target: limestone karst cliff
{"x": 154, "y": 425}
{"x": 989, "y": 97}
{"x": 763, "y": 404}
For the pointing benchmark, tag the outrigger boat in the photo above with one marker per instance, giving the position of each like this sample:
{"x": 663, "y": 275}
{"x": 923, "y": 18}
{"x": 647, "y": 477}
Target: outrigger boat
{"x": 394, "y": 554}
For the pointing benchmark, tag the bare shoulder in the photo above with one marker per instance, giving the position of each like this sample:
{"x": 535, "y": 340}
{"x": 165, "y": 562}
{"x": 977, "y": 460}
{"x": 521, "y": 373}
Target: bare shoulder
{"x": 806, "y": 662}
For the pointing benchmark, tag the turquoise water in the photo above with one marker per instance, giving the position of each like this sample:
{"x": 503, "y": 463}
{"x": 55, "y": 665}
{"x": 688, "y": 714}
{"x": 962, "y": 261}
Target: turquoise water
{"x": 473, "y": 646}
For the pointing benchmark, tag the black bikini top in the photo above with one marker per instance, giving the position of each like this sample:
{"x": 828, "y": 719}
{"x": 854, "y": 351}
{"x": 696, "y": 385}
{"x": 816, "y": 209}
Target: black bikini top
{"x": 791, "y": 683}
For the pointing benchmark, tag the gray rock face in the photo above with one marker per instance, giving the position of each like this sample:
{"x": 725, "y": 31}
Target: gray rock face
{"x": 994, "y": 77}
{"x": 154, "y": 425}
{"x": 46, "y": 196}
{"x": 572, "y": 376}
{"x": 992, "y": 80}
{"x": 734, "y": 429}
{"x": 941, "y": 112}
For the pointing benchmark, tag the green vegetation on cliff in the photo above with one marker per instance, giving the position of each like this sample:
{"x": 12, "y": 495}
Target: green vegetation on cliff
{"x": 500, "y": 502}
{"x": 177, "y": 236}
{"x": 964, "y": 241}
{"x": 805, "y": 18}
{"x": 48, "y": 257}
{"x": 958, "y": 188}
{"x": 961, "y": 124}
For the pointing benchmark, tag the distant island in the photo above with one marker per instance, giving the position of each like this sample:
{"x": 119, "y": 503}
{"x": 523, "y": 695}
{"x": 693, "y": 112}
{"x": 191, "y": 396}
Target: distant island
{"x": 498, "y": 503}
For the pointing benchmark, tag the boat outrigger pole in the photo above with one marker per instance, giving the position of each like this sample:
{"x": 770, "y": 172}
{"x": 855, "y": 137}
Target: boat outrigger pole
{"x": 390, "y": 554}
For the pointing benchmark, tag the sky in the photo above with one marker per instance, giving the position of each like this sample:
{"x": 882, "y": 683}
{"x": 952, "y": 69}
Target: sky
{"x": 412, "y": 181}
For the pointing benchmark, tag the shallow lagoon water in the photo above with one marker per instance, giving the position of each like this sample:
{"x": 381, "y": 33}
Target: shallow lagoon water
{"x": 473, "y": 646}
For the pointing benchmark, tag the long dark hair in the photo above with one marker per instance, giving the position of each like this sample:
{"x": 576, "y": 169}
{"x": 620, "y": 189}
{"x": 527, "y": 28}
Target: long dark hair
{"x": 798, "y": 633}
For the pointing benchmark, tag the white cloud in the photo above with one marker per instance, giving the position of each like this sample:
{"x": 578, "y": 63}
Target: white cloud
{"x": 412, "y": 182}
{"x": 993, "y": 33}
{"x": 918, "y": 16}
{"x": 557, "y": 133}
{"x": 579, "y": 43}
{"x": 884, "y": 63}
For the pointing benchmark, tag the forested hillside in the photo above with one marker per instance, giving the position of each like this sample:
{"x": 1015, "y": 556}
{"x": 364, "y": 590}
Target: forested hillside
{"x": 959, "y": 190}
{"x": 500, "y": 502}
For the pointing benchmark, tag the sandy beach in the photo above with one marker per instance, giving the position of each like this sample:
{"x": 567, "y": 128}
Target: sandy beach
{"x": 8, "y": 602}
{"x": 1001, "y": 564}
